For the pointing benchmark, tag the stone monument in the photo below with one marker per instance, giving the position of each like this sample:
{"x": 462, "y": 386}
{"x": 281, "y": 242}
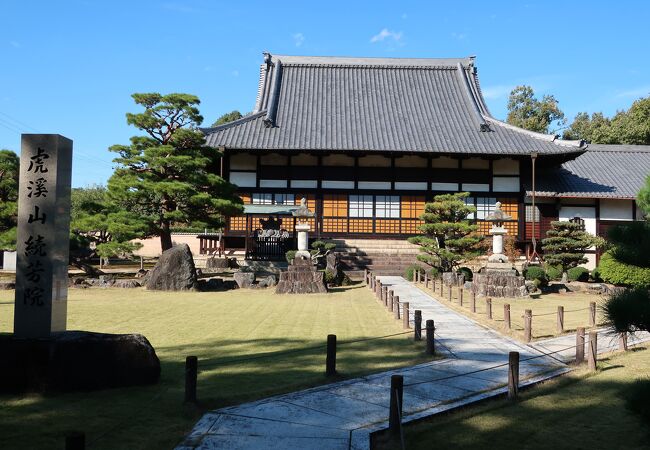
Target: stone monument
{"x": 43, "y": 240}
{"x": 302, "y": 276}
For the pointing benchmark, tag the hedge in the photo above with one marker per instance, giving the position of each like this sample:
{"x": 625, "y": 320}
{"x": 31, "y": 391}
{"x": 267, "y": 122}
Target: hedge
{"x": 616, "y": 272}
{"x": 553, "y": 273}
{"x": 578, "y": 274}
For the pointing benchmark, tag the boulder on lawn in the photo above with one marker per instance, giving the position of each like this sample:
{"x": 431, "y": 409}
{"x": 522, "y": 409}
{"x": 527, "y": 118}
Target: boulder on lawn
{"x": 244, "y": 279}
{"x": 215, "y": 262}
{"x": 174, "y": 271}
{"x": 76, "y": 361}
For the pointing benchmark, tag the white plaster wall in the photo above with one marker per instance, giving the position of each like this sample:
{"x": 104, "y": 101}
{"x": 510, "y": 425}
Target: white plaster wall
{"x": 304, "y": 183}
{"x": 9, "y": 262}
{"x": 151, "y": 246}
{"x": 274, "y": 159}
{"x": 505, "y": 184}
{"x": 475, "y": 163}
{"x": 476, "y": 187}
{"x": 586, "y": 213}
{"x": 411, "y": 161}
{"x": 329, "y": 184}
{"x": 591, "y": 261}
{"x": 411, "y": 185}
{"x": 374, "y": 184}
{"x": 338, "y": 160}
{"x": 304, "y": 159}
{"x": 374, "y": 161}
{"x": 243, "y": 179}
{"x": 444, "y": 187}
{"x": 273, "y": 183}
{"x": 616, "y": 209}
{"x": 445, "y": 162}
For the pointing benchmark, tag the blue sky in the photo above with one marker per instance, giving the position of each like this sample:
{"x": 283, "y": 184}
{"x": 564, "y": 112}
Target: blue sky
{"x": 70, "y": 67}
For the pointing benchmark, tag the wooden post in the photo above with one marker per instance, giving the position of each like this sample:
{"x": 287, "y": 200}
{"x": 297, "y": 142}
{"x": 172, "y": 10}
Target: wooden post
{"x": 560, "y": 319}
{"x": 473, "y": 302}
{"x": 396, "y": 307}
{"x": 405, "y": 315}
{"x": 330, "y": 360}
{"x": 460, "y": 296}
{"x": 528, "y": 325}
{"x": 417, "y": 325}
{"x": 191, "y": 371}
{"x": 593, "y": 350}
{"x": 506, "y": 316}
{"x": 513, "y": 375}
{"x": 426, "y": 280}
{"x": 430, "y": 337}
{"x": 433, "y": 284}
{"x": 592, "y": 314}
{"x": 384, "y": 295}
{"x": 366, "y": 276}
{"x": 580, "y": 345}
{"x": 391, "y": 297}
{"x": 622, "y": 342}
{"x": 378, "y": 290}
{"x": 75, "y": 440}
{"x": 449, "y": 292}
{"x": 415, "y": 275}
{"x": 395, "y": 408}
{"x": 441, "y": 284}
{"x": 488, "y": 307}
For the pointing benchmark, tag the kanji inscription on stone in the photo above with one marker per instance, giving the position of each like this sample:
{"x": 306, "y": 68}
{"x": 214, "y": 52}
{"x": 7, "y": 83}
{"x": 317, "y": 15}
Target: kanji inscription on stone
{"x": 43, "y": 235}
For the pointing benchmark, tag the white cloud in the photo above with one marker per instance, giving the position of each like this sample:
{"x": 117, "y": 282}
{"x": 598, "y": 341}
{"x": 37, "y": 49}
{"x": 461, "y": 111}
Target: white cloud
{"x": 15, "y": 44}
{"x": 298, "y": 39}
{"x": 498, "y": 91}
{"x": 642, "y": 91}
{"x": 386, "y": 34}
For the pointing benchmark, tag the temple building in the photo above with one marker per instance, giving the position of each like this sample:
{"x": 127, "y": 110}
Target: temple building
{"x": 368, "y": 141}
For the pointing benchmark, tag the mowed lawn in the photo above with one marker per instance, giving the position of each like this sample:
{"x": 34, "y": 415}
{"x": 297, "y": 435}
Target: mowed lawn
{"x": 219, "y": 328}
{"x": 544, "y": 310}
{"x": 580, "y": 411}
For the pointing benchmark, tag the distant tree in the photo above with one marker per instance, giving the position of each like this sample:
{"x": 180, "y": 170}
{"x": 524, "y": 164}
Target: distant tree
{"x": 626, "y": 127}
{"x": 9, "y": 170}
{"x": 643, "y": 198}
{"x": 596, "y": 129}
{"x": 100, "y": 227}
{"x": 448, "y": 235}
{"x": 526, "y": 111}
{"x": 228, "y": 117}
{"x": 169, "y": 176}
{"x": 565, "y": 245}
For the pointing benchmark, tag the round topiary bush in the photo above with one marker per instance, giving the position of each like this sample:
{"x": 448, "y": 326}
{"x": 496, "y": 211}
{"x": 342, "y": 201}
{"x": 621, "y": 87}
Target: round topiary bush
{"x": 408, "y": 272}
{"x": 553, "y": 273}
{"x": 467, "y": 272}
{"x": 578, "y": 274}
{"x": 617, "y": 272}
{"x": 595, "y": 275}
{"x": 533, "y": 273}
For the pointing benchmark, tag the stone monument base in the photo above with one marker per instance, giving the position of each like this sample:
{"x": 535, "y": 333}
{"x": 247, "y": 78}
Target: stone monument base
{"x": 499, "y": 280}
{"x": 76, "y": 361}
{"x": 301, "y": 278}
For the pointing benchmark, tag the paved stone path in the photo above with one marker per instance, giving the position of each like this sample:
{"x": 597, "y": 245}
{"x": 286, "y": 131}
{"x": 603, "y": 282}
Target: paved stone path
{"x": 342, "y": 415}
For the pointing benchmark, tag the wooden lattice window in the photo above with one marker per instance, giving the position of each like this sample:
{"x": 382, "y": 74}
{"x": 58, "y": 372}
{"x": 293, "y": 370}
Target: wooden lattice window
{"x": 387, "y": 226}
{"x": 335, "y": 205}
{"x": 412, "y": 206}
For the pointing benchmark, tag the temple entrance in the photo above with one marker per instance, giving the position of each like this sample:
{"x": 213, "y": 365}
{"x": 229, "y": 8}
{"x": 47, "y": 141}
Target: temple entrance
{"x": 270, "y": 241}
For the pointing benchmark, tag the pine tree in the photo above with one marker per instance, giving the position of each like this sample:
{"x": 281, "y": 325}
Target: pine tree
{"x": 565, "y": 245}
{"x": 169, "y": 177}
{"x": 448, "y": 235}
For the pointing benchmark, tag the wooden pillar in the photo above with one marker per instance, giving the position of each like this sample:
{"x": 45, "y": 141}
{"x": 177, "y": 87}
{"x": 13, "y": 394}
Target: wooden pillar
{"x": 473, "y": 302}
{"x": 506, "y": 316}
{"x": 460, "y": 296}
{"x": 396, "y": 307}
{"x": 593, "y": 350}
{"x": 528, "y": 325}
{"x": 622, "y": 342}
{"x": 449, "y": 292}
{"x": 592, "y": 314}
{"x": 330, "y": 360}
{"x": 417, "y": 325}
{"x": 405, "y": 315}
{"x": 513, "y": 375}
{"x": 560, "y": 319}
{"x": 580, "y": 345}
{"x": 488, "y": 307}
{"x": 395, "y": 407}
{"x": 430, "y": 337}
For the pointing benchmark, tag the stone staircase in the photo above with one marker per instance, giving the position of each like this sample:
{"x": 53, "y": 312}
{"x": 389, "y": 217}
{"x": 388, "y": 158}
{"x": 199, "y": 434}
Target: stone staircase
{"x": 382, "y": 256}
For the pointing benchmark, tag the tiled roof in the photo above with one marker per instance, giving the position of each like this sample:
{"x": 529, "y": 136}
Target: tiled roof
{"x": 380, "y": 104}
{"x": 603, "y": 171}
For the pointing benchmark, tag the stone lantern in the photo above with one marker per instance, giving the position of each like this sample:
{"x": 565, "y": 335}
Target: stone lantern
{"x": 498, "y": 231}
{"x": 302, "y": 227}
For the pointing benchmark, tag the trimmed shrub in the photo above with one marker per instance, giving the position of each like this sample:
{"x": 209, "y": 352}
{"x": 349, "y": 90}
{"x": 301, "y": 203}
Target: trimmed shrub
{"x": 290, "y": 255}
{"x": 637, "y": 398}
{"x": 595, "y": 275}
{"x": 578, "y": 274}
{"x": 628, "y": 311}
{"x": 616, "y": 272}
{"x": 408, "y": 273}
{"x": 469, "y": 276}
{"x": 553, "y": 273}
{"x": 537, "y": 275}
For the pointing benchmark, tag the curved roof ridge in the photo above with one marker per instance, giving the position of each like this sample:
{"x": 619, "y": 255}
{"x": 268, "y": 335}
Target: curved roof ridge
{"x": 372, "y": 61}
{"x": 227, "y": 125}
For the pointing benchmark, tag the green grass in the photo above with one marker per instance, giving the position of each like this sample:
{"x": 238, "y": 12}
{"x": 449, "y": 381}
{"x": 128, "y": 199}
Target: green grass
{"x": 544, "y": 309}
{"x": 580, "y": 410}
{"x": 218, "y": 328}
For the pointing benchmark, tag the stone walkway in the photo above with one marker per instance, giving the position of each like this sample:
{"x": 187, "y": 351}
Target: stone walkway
{"x": 342, "y": 415}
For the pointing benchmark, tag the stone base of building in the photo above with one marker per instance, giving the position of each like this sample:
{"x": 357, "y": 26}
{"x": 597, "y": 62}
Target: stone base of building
{"x": 301, "y": 278}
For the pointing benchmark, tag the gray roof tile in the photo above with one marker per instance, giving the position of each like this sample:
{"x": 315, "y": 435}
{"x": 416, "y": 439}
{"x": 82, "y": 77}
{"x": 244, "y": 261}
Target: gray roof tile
{"x": 378, "y": 104}
{"x": 603, "y": 171}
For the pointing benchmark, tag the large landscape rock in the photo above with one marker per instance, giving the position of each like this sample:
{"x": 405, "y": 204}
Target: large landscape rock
{"x": 215, "y": 262}
{"x": 174, "y": 271}
{"x": 244, "y": 279}
{"x": 76, "y": 361}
